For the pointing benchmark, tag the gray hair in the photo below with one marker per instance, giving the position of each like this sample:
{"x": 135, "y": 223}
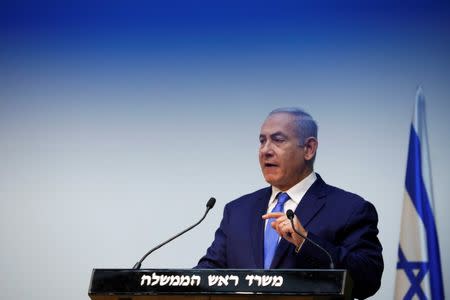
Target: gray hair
{"x": 305, "y": 124}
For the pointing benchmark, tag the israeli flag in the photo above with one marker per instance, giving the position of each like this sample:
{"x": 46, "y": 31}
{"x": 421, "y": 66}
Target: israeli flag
{"x": 419, "y": 273}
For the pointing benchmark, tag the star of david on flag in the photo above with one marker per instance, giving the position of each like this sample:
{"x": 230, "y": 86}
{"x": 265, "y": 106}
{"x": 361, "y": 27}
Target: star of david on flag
{"x": 419, "y": 273}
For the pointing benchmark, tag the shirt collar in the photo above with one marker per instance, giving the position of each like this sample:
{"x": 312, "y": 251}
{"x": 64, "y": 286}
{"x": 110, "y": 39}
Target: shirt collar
{"x": 296, "y": 192}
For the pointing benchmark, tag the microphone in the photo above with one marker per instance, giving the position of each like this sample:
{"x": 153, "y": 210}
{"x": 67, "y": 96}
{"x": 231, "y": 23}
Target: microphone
{"x": 290, "y": 215}
{"x": 209, "y": 205}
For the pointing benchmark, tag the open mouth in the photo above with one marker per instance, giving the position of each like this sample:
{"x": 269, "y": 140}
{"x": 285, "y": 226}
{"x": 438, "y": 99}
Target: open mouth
{"x": 270, "y": 165}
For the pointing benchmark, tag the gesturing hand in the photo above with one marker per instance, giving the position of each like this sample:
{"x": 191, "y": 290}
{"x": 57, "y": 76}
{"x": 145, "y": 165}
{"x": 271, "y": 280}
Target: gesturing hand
{"x": 283, "y": 227}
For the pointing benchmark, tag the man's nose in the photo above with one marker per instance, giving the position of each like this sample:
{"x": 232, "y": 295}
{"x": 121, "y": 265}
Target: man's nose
{"x": 266, "y": 149}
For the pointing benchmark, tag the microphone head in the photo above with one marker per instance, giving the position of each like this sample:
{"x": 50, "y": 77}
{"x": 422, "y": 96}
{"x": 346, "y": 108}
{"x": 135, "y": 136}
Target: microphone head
{"x": 211, "y": 203}
{"x": 290, "y": 214}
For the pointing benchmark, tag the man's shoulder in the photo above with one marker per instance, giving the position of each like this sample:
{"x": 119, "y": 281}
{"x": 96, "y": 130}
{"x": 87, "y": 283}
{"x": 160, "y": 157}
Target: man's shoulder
{"x": 342, "y": 193}
{"x": 344, "y": 198}
{"x": 334, "y": 193}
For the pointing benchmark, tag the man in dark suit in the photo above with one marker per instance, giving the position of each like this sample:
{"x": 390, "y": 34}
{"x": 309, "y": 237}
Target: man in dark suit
{"x": 255, "y": 232}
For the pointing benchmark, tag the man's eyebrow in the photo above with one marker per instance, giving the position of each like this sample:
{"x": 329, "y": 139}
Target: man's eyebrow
{"x": 278, "y": 134}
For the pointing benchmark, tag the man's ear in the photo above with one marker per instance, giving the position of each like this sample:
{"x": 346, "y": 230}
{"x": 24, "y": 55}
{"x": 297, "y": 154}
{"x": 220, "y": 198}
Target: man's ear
{"x": 311, "y": 145}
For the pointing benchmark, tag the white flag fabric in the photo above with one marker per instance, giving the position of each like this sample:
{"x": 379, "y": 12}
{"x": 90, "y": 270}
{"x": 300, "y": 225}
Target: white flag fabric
{"x": 419, "y": 273}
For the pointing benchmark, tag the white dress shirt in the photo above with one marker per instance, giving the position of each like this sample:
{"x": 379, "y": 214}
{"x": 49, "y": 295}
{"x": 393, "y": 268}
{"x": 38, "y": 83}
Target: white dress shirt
{"x": 295, "y": 193}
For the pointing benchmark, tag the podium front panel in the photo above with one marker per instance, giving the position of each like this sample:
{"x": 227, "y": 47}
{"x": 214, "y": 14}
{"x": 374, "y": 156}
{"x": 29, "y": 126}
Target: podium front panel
{"x": 199, "y": 284}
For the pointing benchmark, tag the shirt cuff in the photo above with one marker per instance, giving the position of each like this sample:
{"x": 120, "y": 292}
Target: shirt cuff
{"x": 299, "y": 247}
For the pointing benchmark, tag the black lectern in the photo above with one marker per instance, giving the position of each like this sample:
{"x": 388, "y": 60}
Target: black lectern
{"x": 199, "y": 284}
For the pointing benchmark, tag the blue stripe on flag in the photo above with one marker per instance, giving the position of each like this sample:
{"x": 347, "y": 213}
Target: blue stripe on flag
{"x": 417, "y": 191}
{"x": 415, "y": 280}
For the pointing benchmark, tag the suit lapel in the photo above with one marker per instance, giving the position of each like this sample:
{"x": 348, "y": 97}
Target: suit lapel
{"x": 312, "y": 202}
{"x": 309, "y": 207}
{"x": 257, "y": 230}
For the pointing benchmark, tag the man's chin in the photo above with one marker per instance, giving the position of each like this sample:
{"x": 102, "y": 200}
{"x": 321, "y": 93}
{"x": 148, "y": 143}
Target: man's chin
{"x": 276, "y": 182}
{"x": 271, "y": 180}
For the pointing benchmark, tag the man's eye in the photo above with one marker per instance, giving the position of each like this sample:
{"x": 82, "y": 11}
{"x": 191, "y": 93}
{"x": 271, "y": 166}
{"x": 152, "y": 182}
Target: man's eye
{"x": 278, "y": 140}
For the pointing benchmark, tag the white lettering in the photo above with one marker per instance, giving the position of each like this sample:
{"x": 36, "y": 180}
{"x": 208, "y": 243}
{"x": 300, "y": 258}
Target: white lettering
{"x": 277, "y": 281}
{"x": 195, "y": 278}
{"x": 146, "y": 278}
{"x": 235, "y": 278}
{"x": 172, "y": 280}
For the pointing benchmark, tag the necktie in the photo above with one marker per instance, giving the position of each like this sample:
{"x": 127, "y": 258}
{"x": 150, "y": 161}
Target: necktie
{"x": 270, "y": 235}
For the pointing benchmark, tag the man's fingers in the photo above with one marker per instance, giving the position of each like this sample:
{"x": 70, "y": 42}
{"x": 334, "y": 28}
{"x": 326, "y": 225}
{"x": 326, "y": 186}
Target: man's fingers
{"x": 272, "y": 215}
{"x": 281, "y": 224}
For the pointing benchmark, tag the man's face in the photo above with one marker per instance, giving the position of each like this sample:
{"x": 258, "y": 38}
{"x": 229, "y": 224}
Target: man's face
{"x": 281, "y": 157}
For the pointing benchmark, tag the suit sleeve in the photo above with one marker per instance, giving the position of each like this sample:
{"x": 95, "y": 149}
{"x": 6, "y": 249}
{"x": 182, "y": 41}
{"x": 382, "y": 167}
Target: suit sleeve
{"x": 215, "y": 257}
{"x": 357, "y": 249}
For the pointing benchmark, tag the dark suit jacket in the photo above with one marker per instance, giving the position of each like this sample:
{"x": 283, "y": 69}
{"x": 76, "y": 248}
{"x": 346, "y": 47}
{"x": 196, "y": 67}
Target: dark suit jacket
{"x": 341, "y": 222}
